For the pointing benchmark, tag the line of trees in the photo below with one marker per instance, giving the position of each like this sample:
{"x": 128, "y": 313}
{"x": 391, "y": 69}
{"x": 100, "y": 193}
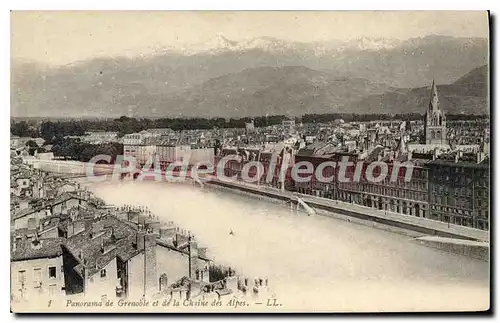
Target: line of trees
{"x": 24, "y": 129}
{"x": 74, "y": 149}
{"x": 51, "y": 130}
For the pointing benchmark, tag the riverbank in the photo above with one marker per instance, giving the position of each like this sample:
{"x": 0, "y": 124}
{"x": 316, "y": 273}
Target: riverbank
{"x": 456, "y": 239}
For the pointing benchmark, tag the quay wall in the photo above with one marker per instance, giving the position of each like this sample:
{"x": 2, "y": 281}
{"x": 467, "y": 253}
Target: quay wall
{"x": 70, "y": 167}
{"x": 337, "y": 216}
{"x": 395, "y": 223}
{"x": 481, "y": 252}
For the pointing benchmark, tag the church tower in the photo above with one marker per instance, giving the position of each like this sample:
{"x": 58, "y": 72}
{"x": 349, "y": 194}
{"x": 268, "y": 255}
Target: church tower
{"x": 435, "y": 120}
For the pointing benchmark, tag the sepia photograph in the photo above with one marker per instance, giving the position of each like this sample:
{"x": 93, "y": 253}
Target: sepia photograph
{"x": 250, "y": 161}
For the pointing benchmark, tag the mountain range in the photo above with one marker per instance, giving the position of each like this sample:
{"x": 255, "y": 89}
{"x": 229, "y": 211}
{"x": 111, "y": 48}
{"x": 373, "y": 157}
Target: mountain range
{"x": 257, "y": 77}
{"x": 467, "y": 95}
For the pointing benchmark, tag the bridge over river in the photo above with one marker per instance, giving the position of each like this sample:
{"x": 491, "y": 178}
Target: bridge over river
{"x": 313, "y": 262}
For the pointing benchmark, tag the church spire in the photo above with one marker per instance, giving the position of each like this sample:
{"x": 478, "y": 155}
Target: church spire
{"x": 434, "y": 102}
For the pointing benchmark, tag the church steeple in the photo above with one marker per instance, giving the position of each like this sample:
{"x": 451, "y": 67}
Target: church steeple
{"x": 435, "y": 120}
{"x": 434, "y": 102}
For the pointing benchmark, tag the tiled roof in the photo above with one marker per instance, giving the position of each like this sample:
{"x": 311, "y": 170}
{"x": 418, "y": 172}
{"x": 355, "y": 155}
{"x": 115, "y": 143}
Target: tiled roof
{"x": 82, "y": 245}
{"x": 60, "y": 199}
{"x": 51, "y": 222}
{"x": 420, "y": 161}
{"x": 184, "y": 251}
{"x": 26, "y": 212}
{"x": 459, "y": 163}
{"x": 46, "y": 248}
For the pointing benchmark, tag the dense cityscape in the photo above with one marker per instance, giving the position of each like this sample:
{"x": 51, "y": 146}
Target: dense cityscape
{"x": 67, "y": 242}
{"x": 250, "y": 161}
{"x": 450, "y": 181}
{"x": 74, "y": 239}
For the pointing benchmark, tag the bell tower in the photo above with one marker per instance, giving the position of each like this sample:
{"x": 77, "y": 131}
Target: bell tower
{"x": 435, "y": 120}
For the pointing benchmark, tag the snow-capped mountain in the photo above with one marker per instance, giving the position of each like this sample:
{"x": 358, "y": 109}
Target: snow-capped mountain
{"x": 373, "y": 44}
{"x": 153, "y": 78}
{"x": 220, "y": 44}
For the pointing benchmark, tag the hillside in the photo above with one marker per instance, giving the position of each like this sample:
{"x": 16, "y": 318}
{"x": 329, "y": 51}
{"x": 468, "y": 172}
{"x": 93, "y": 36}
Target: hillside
{"x": 289, "y": 90}
{"x": 156, "y": 84}
{"x": 467, "y": 95}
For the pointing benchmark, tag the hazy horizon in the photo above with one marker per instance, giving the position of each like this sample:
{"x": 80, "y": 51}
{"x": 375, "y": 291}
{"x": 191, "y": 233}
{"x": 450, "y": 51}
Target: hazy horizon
{"x": 65, "y": 37}
{"x": 245, "y": 63}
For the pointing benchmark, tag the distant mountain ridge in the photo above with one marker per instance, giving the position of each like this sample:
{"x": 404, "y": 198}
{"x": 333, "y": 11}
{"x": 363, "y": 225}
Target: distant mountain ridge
{"x": 154, "y": 84}
{"x": 467, "y": 95}
{"x": 288, "y": 90}
{"x": 297, "y": 90}
{"x": 220, "y": 44}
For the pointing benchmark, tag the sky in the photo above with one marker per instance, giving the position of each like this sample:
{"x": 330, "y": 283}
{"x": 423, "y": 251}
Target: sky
{"x": 63, "y": 37}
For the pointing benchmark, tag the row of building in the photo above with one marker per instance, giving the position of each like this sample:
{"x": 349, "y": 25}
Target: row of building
{"x": 451, "y": 172}
{"x": 67, "y": 244}
{"x": 449, "y": 182}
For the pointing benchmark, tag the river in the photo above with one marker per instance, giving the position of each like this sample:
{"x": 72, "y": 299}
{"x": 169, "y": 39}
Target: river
{"x": 315, "y": 262}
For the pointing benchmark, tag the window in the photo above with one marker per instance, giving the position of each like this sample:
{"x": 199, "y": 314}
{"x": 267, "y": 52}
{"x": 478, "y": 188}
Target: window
{"x": 52, "y": 272}
{"x": 21, "y": 276}
{"x": 52, "y": 289}
{"x": 103, "y": 273}
{"x": 37, "y": 275}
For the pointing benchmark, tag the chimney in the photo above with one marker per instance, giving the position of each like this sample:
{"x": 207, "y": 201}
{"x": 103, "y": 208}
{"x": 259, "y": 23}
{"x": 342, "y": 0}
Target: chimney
{"x": 167, "y": 235}
{"x": 180, "y": 238}
{"x": 71, "y": 229}
{"x": 193, "y": 258}
{"x": 97, "y": 227}
{"x": 151, "y": 280}
{"x": 140, "y": 240}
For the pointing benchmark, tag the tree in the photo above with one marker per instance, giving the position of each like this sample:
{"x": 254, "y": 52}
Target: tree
{"x": 32, "y": 146}
{"x": 20, "y": 129}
